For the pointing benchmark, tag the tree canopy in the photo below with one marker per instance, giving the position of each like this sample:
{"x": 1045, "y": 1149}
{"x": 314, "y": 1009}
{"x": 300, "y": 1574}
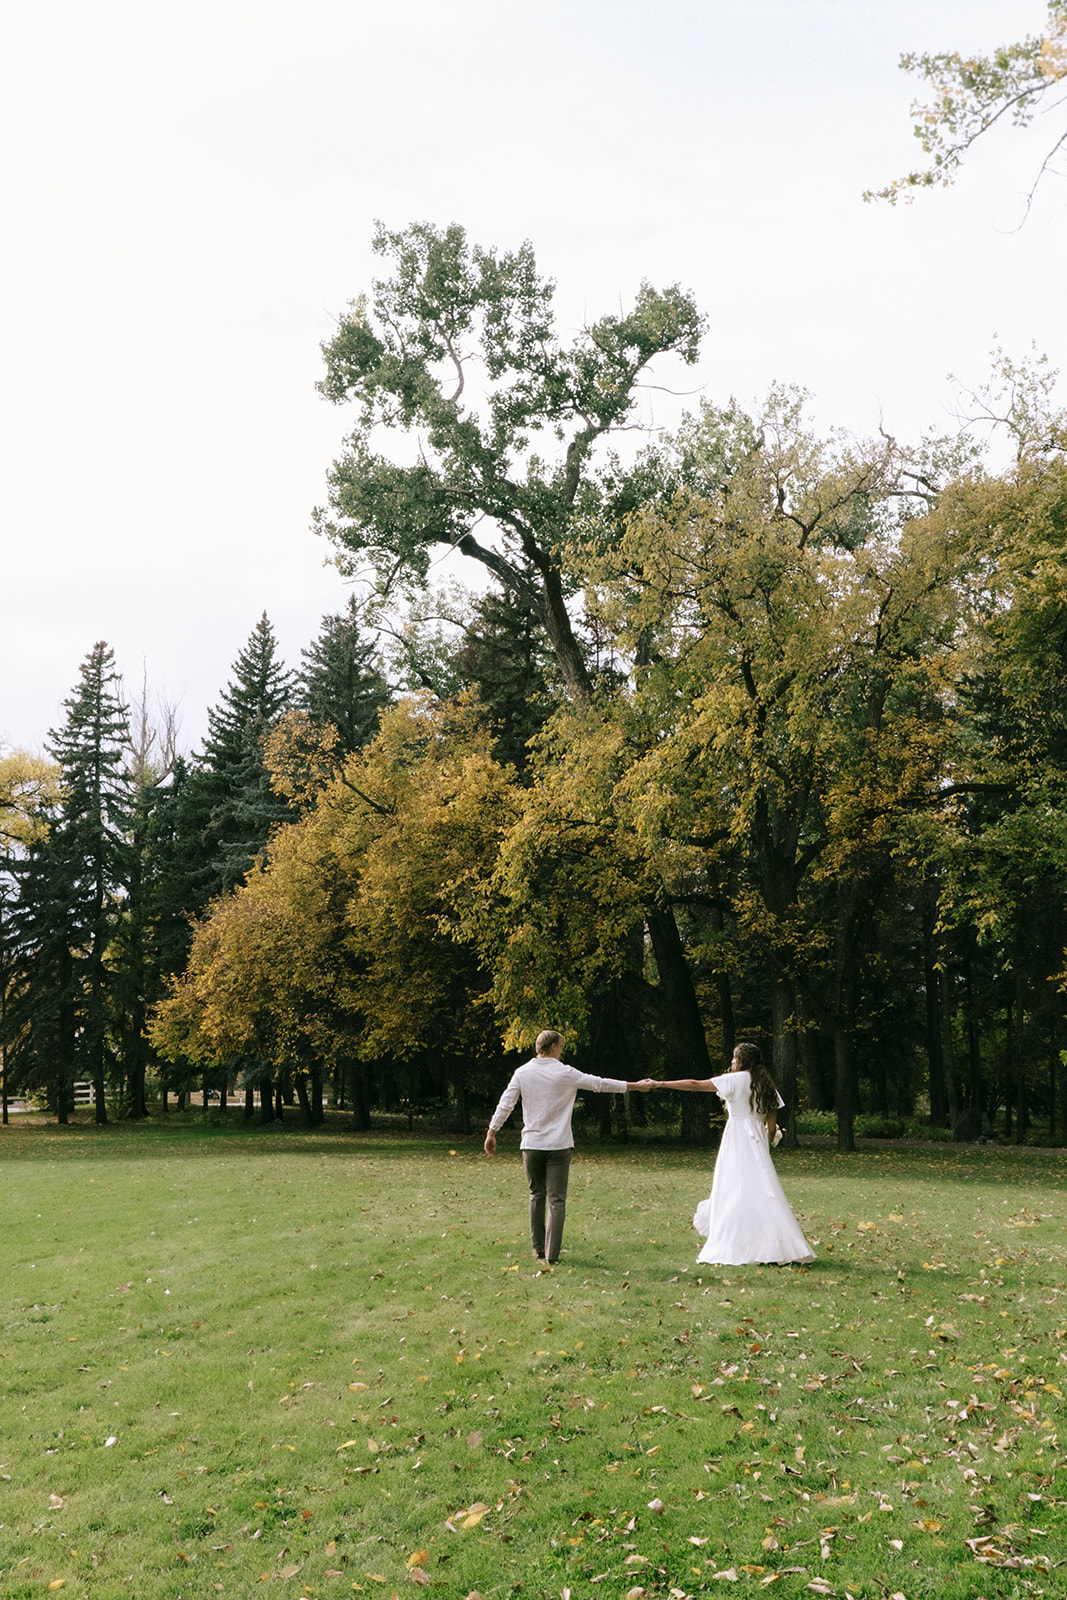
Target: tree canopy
{"x": 971, "y": 95}
{"x": 457, "y": 351}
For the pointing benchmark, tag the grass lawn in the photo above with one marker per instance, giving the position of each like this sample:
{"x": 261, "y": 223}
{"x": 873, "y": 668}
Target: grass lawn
{"x": 257, "y": 1361}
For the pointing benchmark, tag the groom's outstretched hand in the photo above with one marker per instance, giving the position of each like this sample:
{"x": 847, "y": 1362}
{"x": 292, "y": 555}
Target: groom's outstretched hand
{"x": 490, "y": 1143}
{"x": 643, "y": 1085}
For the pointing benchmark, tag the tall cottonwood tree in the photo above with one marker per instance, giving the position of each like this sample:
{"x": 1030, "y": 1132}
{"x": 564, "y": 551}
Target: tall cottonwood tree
{"x": 973, "y": 94}
{"x": 459, "y": 347}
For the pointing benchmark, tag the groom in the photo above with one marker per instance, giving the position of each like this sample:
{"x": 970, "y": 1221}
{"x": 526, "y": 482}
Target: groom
{"x": 547, "y": 1087}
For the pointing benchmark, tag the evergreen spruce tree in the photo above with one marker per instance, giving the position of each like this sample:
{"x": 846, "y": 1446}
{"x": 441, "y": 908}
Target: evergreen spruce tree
{"x": 74, "y": 886}
{"x": 341, "y": 682}
{"x": 505, "y": 658}
{"x": 40, "y": 1018}
{"x": 153, "y": 939}
{"x": 227, "y": 808}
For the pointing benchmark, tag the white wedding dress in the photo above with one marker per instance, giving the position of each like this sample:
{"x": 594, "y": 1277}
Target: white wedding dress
{"x": 747, "y": 1218}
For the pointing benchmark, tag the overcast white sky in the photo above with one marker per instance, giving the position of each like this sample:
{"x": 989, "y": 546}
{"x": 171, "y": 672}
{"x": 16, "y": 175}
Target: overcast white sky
{"x": 188, "y": 198}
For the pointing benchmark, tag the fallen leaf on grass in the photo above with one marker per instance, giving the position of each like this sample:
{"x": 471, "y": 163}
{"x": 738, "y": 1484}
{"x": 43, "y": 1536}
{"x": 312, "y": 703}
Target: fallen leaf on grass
{"x": 292, "y": 1570}
{"x": 929, "y": 1527}
{"x": 420, "y": 1576}
{"x": 729, "y": 1573}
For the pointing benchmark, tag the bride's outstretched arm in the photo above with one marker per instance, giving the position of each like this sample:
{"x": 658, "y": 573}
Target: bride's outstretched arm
{"x": 701, "y": 1085}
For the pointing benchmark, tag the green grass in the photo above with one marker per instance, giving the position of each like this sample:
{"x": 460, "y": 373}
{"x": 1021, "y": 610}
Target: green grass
{"x": 247, "y": 1362}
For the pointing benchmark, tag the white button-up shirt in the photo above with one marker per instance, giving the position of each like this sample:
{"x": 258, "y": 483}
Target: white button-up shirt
{"x": 547, "y": 1088}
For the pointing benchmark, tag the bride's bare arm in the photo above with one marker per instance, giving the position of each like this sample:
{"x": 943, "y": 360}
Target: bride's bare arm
{"x": 701, "y": 1085}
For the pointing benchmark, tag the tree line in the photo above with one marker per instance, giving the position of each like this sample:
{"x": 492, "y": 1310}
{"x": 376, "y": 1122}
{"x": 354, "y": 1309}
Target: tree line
{"x": 756, "y": 731}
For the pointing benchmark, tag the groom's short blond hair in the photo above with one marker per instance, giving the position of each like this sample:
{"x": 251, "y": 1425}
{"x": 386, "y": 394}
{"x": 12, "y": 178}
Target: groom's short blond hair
{"x": 546, "y": 1040}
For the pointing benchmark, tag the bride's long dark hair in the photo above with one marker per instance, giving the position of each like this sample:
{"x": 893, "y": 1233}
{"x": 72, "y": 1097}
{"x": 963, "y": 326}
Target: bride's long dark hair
{"x": 763, "y": 1096}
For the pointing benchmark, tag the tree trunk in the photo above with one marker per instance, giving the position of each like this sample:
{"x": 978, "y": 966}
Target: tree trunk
{"x": 360, "y": 1099}
{"x": 784, "y": 1055}
{"x": 948, "y": 1035}
{"x": 975, "y": 1086}
{"x": 686, "y": 1043}
{"x": 933, "y": 1014}
{"x": 305, "y": 1100}
{"x": 846, "y": 1138}
{"x": 809, "y": 1058}
{"x": 726, "y": 999}
{"x": 1009, "y": 1067}
{"x": 555, "y": 619}
{"x": 1022, "y": 1105}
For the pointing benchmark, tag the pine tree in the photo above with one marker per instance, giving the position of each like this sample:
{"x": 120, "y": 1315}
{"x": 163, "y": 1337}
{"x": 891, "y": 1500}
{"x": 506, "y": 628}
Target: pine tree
{"x": 228, "y": 810}
{"x": 505, "y": 659}
{"x": 72, "y": 888}
{"x": 40, "y": 1024}
{"x": 341, "y": 682}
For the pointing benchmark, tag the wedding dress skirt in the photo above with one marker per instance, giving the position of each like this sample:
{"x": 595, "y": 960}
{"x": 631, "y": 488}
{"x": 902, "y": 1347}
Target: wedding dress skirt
{"x": 747, "y": 1218}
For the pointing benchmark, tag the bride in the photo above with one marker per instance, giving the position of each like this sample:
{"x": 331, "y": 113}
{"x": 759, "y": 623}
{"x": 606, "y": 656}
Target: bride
{"x": 747, "y": 1218}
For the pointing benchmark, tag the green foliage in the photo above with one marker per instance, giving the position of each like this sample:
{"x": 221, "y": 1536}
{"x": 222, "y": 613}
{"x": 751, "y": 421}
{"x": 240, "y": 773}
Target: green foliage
{"x": 459, "y": 345}
{"x": 30, "y": 788}
{"x": 69, "y": 885}
{"x": 341, "y": 682}
{"x": 503, "y": 660}
{"x": 344, "y": 944}
{"x": 971, "y": 94}
{"x": 228, "y": 805}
